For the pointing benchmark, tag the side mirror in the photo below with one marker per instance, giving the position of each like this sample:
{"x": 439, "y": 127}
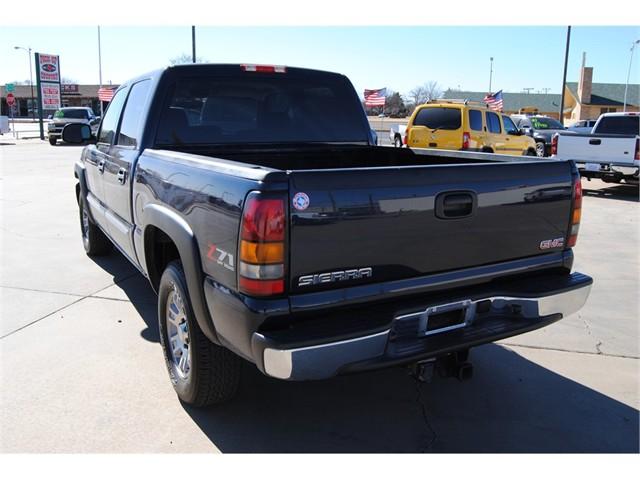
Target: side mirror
{"x": 76, "y": 133}
{"x": 49, "y": 117}
{"x": 514, "y": 132}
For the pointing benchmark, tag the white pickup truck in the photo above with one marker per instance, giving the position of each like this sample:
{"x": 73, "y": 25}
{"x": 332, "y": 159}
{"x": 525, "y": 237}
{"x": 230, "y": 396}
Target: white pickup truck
{"x": 610, "y": 152}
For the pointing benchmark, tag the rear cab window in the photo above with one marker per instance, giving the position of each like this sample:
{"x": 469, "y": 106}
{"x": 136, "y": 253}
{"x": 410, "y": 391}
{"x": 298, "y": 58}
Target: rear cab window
{"x": 475, "y": 120}
{"x": 619, "y": 124}
{"x": 441, "y": 118}
{"x": 271, "y": 108}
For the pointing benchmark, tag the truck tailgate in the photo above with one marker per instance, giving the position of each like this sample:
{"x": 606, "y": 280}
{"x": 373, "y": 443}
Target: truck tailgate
{"x": 402, "y": 222}
{"x": 610, "y": 148}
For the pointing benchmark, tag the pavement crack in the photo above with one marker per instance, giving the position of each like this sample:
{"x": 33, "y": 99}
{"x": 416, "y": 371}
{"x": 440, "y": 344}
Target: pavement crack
{"x": 42, "y": 291}
{"x": 582, "y": 352}
{"x": 66, "y": 306}
{"x": 598, "y": 342}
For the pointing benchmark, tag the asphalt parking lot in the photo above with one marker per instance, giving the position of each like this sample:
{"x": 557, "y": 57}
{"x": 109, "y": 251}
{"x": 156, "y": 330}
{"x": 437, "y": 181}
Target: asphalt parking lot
{"x": 82, "y": 370}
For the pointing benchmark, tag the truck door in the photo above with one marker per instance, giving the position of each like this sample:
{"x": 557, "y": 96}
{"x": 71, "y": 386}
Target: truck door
{"x": 496, "y": 137}
{"x": 514, "y": 145}
{"x": 117, "y": 178}
{"x": 97, "y": 158}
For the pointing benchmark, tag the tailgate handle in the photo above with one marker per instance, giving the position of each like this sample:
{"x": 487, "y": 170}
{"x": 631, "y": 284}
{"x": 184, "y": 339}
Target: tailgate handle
{"x": 595, "y": 141}
{"x": 455, "y": 204}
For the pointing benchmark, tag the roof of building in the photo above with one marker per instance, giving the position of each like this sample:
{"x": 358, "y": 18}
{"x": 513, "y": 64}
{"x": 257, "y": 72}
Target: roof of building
{"x": 24, "y": 91}
{"x": 609, "y": 93}
{"x": 544, "y": 102}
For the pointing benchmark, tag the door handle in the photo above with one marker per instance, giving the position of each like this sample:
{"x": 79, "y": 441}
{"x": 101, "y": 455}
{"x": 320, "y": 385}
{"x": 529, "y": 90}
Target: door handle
{"x": 455, "y": 204}
{"x": 101, "y": 166}
{"x": 595, "y": 141}
{"x": 122, "y": 176}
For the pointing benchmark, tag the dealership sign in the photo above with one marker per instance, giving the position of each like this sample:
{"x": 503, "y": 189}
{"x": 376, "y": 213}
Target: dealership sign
{"x": 50, "y": 95}
{"x": 48, "y": 68}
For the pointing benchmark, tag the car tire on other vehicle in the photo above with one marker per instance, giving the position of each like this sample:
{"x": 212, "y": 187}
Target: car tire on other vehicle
{"x": 52, "y": 141}
{"x": 94, "y": 241}
{"x": 531, "y": 153}
{"x": 397, "y": 141}
{"x": 202, "y": 373}
{"x": 540, "y": 149}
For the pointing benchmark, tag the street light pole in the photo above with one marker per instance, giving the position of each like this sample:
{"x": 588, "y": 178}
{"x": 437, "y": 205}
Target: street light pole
{"x": 28, "y": 50}
{"x": 193, "y": 43}
{"x": 564, "y": 75}
{"x": 100, "y": 71}
{"x": 626, "y": 87}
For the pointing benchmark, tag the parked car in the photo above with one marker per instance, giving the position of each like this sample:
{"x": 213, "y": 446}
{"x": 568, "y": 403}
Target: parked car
{"x": 397, "y": 134}
{"x": 541, "y": 129}
{"x": 611, "y": 152}
{"x": 66, "y": 115}
{"x": 464, "y": 125}
{"x": 273, "y": 230}
{"x": 583, "y": 126}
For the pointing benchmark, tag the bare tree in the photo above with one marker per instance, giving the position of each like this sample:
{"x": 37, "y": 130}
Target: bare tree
{"x": 185, "y": 58}
{"x": 423, "y": 93}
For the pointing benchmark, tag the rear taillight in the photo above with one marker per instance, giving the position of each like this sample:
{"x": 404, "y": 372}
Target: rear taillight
{"x": 262, "y": 246}
{"x": 637, "y": 156}
{"x": 405, "y": 140}
{"x": 576, "y": 214}
{"x": 554, "y": 145}
{"x": 466, "y": 139}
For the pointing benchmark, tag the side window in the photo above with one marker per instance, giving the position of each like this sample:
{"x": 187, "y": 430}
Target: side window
{"x": 508, "y": 124}
{"x": 493, "y": 122}
{"x": 475, "y": 120}
{"x": 111, "y": 117}
{"x": 128, "y": 135}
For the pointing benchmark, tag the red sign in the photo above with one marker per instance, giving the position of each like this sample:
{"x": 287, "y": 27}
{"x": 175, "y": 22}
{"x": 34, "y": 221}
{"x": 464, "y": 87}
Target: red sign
{"x": 10, "y": 99}
{"x": 49, "y": 68}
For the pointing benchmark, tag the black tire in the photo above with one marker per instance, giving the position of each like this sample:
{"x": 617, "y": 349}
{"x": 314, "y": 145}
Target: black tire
{"x": 531, "y": 153}
{"x": 540, "y": 149}
{"x": 397, "y": 141}
{"x": 94, "y": 241}
{"x": 52, "y": 141}
{"x": 214, "y": 372}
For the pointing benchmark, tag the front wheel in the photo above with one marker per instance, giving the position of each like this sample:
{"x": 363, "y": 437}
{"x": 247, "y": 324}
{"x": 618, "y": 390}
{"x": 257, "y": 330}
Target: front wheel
{"x": 201, "y": 372}
{"x": 94, "y": 241}
{"x": 52, "y": 140}
{"x": 540, "y": 149}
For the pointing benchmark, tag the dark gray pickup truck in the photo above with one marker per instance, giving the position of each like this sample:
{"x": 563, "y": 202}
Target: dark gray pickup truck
{"x": 273, "y": 229}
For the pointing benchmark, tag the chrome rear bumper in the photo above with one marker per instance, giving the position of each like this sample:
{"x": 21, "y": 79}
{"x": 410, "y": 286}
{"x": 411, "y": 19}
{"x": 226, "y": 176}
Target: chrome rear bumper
{"x": 496, "y": 317}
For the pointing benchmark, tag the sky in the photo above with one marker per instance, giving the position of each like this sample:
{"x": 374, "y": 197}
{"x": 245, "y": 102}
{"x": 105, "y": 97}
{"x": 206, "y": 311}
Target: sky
{"x": 398, "y": 58}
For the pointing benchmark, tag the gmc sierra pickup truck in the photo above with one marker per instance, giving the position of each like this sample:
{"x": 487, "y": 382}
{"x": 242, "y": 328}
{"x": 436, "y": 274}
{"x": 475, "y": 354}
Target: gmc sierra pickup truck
{"x": 610, "y": 152}
{"x": 256, "y": 203}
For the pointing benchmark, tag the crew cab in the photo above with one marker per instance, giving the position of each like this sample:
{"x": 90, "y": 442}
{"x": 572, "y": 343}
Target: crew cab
{"x": 254, "y": 200}
{"x": 610, "y": 152}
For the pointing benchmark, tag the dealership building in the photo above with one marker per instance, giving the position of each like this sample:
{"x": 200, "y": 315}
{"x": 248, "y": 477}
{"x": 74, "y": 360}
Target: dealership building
{"x": 72, "y": 95}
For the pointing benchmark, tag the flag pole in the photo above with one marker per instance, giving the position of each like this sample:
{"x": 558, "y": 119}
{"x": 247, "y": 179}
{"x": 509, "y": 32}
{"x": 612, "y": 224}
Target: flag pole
{"x": 100, "y": 71}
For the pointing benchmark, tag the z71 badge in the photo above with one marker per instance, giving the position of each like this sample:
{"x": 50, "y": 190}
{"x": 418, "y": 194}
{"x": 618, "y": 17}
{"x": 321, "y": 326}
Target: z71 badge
{"x": 337, "y": 276}
{"x": 555, "y": 243}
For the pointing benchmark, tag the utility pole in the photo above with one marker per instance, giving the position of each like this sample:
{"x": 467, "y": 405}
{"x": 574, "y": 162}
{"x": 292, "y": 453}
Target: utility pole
{"x": 564, "y": 75}
{"x": 490, "y": 74}
{"x": 193, "y": 42}
{"x": 626, "y": 87}
{"x": 100, "y": 69}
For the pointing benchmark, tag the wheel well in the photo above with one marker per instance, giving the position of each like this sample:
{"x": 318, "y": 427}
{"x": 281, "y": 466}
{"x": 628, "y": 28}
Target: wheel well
{"x": 159, "y": 250}
{"x": 487, "y": 150}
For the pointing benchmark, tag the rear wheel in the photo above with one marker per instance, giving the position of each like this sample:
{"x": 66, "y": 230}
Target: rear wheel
{"x": 540, "y": 149}
{"x": 95, "y": 242}
{"x": 201, "y": 372}
{"x": 52, "y": 140}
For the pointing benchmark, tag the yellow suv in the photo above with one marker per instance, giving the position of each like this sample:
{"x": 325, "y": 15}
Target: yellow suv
{"x": 465, "y": 125}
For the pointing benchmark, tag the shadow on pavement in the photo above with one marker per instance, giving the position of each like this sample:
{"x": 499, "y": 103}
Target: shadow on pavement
{"x": 510, "y": 405}
{"x": 616, "y": 192}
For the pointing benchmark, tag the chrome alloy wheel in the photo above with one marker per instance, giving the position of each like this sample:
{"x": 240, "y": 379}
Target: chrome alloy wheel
{"x": 540, "y": 148}
{"x": 178, "y": 333}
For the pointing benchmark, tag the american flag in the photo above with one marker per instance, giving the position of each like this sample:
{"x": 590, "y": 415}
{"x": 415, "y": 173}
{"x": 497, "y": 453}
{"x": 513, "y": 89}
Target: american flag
{"x": 494, "y": 101}
{"x": 375, "y": 98}
{"x": 106, "y": 94}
